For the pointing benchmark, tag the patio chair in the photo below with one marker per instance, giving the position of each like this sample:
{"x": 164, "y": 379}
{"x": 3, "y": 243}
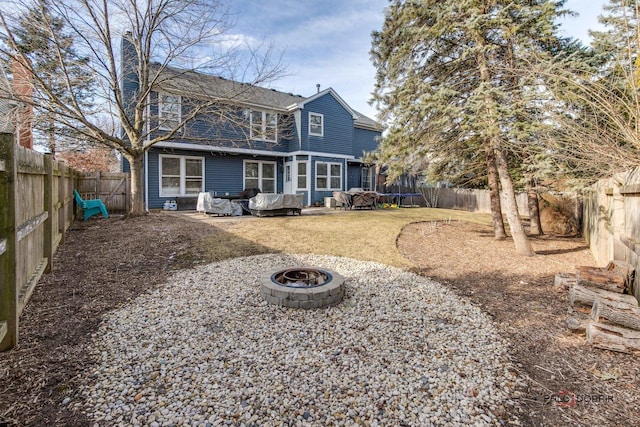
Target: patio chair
{"x": 343, "y": 200}
{"x": 90, "y": 207}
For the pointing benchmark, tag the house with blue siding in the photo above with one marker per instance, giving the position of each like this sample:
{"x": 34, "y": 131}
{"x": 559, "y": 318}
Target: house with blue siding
{"x": 274, "y": 141}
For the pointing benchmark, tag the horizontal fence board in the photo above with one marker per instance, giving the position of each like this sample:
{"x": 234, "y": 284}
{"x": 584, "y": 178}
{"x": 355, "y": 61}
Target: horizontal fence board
{"x": 28, "y": 227}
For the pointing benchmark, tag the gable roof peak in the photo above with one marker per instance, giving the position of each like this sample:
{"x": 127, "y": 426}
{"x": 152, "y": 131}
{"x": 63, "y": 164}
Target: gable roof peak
{"x": 360, "y": 120}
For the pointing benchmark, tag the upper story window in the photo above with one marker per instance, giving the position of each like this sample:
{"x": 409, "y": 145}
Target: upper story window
{"x": 264, "y": 125}
{"x": 169, "y": 110}
{"x": 316, "y": 124}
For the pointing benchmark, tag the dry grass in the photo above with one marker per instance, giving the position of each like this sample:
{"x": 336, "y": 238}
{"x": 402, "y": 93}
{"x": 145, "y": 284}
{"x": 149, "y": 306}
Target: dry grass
{"x": 364, "y": 235}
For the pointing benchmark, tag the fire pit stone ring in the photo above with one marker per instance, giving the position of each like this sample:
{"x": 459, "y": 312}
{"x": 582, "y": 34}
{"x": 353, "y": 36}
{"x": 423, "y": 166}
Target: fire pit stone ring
{"x": 302, "y": 287}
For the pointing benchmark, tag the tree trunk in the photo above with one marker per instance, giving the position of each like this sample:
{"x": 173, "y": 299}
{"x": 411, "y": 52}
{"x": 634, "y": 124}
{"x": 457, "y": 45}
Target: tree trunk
{"x": 623, "y": 314}
{"x": 615, "y": 338}
{"x": 51, "y": 138}
{"x": 493, "y": 142}
{"x": 137, "y": 184}
{"x": 520, "y": 239}
{"x": 601, "y": 278}
{"x": 587, "y": 296}
{"x": 494, "y": 194}
{"x": 535, "y": 226}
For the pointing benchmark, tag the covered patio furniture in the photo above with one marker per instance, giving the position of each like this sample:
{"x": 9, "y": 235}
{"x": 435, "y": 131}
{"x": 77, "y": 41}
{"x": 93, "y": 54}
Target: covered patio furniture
{"x": 343, "y": 200}
{"x": 208, "y": 204}
{"x": 364, "y": 200}
{"x": 267, "y": 204}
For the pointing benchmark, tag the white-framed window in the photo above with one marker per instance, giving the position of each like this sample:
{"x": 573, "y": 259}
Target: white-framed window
{"x": 263, "y": 125}
{"x": 302, "y": 174}
{"x": 169, "y": 110}
{"x": 328, "y": 176}
{"x": 316, "y": 124}
{"x": 260, "y": 174}
{"x": 181, "y": 175}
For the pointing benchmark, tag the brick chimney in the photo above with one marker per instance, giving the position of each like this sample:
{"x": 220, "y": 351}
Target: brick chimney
{"x": 22, "y": 90}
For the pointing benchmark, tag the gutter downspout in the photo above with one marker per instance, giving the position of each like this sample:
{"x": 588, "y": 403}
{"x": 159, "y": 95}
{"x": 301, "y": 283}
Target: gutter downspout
{"x": 146, "y": 181}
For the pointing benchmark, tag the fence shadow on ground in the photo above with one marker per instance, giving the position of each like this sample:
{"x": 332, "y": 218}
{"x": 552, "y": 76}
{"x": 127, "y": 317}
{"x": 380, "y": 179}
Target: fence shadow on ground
{"x": 102, "y": 265}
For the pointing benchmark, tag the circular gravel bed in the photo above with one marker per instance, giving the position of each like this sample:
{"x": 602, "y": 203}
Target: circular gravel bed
{"x": 206, "y": 349}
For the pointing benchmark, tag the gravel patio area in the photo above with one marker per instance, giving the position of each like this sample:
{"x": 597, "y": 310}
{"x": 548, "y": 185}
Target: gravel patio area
{"x": 205, "y": 349}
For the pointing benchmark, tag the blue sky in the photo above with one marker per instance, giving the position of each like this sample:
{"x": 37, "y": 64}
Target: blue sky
{"x": 328, "y": 42}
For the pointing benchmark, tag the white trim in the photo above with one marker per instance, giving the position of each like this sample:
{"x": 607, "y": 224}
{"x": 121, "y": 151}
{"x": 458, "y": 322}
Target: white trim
{"x": 182, "y": 190}
{"x": 201, "y": 147}
{"x": 346, "y": 175}
{"x": 320, "y": 154}
{"x": 209, "y": 148}
{"x": 311, "y": 113}
{"x": 335, "y": 95}
{"x": 147, "y": 112}
{"x": 297, "y": 116}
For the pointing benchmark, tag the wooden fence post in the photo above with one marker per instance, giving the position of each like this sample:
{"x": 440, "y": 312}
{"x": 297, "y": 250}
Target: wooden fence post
{"x": 49, "y": 226}
{"x": 8, "y": 242}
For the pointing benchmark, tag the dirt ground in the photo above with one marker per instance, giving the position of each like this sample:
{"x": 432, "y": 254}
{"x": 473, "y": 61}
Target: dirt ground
{"x": 104, "y": 264}
{"x": 517, "y": 292}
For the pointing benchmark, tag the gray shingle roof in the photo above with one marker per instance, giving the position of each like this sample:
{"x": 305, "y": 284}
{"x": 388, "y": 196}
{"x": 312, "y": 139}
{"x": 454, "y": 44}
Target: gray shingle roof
{"x": 195, "y": 84}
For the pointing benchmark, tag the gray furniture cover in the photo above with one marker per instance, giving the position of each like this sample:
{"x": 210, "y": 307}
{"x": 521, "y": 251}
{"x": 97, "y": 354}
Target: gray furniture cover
{"x": 209, "y": 204}
{"x": 276, "y": 202}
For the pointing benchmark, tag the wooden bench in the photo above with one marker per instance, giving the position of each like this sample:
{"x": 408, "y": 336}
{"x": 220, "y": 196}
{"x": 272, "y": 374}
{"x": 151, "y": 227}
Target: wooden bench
{"x": 90, "y": 207}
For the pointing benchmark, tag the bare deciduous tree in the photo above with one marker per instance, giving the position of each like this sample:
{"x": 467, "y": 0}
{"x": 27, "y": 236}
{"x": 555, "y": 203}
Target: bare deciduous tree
{"x": 596, "y": 108}
{"x": 165, "y": 42}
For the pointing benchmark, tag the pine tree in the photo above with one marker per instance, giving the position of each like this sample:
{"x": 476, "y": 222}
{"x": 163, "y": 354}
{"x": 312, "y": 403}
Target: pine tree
{"x": 41, "y": 38}
{"x": 448, "y": 88}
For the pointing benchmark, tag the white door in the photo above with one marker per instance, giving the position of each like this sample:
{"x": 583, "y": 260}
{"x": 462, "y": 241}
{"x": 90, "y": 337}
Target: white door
{"x": 288, "y": 178}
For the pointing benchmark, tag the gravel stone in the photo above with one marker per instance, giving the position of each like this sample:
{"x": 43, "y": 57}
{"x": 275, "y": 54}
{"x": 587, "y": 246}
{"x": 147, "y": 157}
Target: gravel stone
{"x": 206, "y": 348}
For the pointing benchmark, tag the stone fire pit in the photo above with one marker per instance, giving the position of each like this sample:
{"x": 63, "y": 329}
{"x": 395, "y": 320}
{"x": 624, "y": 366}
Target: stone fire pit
{"x": 302, "y": 287}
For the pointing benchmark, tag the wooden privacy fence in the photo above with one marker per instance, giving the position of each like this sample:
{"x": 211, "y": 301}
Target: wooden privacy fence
{"x": 612, "y": 221}
{"x": 113, "y": 188}
{"x": 472, "y": 200}
{"x": 36, "y": 208}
